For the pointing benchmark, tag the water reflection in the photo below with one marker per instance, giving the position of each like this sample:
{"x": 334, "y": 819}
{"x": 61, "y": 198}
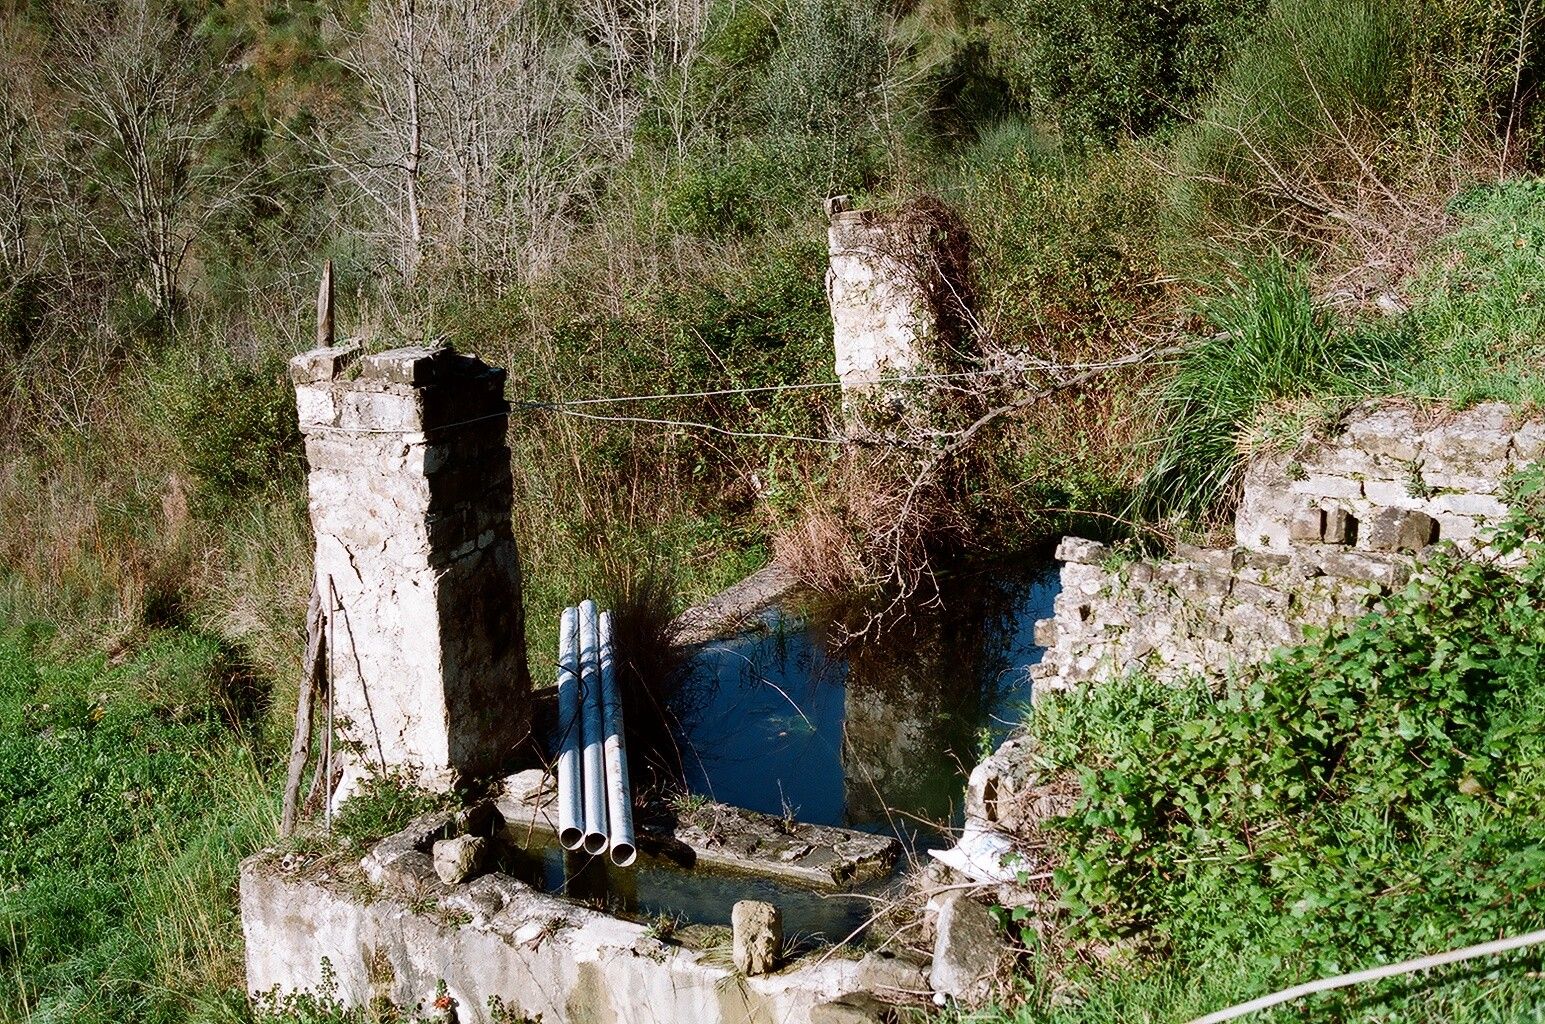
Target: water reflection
{"x": 876, "y": 734}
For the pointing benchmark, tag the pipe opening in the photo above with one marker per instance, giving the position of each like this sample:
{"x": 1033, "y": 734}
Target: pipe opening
{"x": 571, "y": 838}
{"x": 623, "y": 854}
{"x": 595, "y": 843}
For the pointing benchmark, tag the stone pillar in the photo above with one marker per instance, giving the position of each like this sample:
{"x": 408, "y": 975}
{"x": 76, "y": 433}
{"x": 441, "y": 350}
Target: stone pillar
{"x": 881, "y": 312}
{"x": 410, "y": 494}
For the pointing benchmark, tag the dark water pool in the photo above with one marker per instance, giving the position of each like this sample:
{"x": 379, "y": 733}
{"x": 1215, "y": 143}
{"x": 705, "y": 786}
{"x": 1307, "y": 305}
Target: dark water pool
{"x": 877, "y": 734}
{"x": 793, "y": 716}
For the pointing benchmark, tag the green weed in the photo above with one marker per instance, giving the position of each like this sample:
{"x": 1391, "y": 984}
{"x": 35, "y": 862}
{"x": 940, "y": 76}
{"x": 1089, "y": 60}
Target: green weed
{"x": 1271, "y": 343}
{"x": 1364, "y": 798}
{"x": 123, "y": 813}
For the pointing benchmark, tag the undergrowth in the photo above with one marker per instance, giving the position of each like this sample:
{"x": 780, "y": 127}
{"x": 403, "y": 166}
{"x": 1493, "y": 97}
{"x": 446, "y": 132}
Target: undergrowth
{"x": 1369, "y": 796}
{"x": 127, "y": 796}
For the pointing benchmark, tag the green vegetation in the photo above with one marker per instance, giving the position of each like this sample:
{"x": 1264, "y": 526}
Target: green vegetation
{"x": 1367, "y": 797}
{"x": 1314, "y": 201}
{"x": 127, "y": 795}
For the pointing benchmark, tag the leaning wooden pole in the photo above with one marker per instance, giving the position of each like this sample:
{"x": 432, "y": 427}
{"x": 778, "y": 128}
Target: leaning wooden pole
{"x": 325, "y": 332}
{"x": 313, "y": 681}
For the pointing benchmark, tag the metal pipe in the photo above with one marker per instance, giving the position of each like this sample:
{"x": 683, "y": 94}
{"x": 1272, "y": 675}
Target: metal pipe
{"x": 619, "y": 796}
{"x": 571, "y": 804}
{"x": 593, "y": 760}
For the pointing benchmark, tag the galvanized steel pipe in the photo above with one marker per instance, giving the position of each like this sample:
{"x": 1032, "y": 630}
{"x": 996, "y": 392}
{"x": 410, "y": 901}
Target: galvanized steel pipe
{"x": 619, "y": 798}
{"x": 571, "y": 804}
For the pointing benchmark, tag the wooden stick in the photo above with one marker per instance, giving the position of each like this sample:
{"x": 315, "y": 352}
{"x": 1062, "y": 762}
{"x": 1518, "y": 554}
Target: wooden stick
{"x": 300, "y": 744}
{"x": 325, "y": 332}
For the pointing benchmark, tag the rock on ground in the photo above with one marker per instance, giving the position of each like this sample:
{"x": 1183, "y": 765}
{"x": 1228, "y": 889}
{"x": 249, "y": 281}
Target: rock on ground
{"x": 457, "y": 860}
{"x": 968, "y": 950}
{"x": 758, "y": 940}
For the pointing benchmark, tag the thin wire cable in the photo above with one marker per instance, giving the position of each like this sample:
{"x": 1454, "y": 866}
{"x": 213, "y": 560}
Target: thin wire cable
{"x": 565, "y": 406}
{"x": 694, "y": 425}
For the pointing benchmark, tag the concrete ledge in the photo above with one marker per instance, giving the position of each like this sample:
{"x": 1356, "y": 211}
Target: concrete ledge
{"x": 495, "y": 938}
{"x": 727, "y": 839}
{"x": 731, "y": 608}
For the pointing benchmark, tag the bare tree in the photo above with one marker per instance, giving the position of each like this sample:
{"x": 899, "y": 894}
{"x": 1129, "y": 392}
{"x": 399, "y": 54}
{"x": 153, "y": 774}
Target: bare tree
{"x": 486, "y": 128}
{"x": 145, "y": 96}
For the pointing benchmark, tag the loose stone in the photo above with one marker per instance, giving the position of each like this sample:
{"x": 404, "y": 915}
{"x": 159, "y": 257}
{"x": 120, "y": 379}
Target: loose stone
{"x": 758, "y": 936}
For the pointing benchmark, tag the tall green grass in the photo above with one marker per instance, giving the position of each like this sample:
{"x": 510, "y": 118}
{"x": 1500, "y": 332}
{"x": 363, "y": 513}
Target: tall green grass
{"x": 127, "y": 796}
{"x": 1478, "y": 323}
{"x": 1270, "y": 342}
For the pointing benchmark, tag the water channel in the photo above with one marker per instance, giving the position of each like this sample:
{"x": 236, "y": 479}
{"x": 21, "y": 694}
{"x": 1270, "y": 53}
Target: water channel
{"x": 794, "y": 717}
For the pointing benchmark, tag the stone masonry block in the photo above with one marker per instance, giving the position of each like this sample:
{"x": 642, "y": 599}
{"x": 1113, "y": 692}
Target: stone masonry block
{"x": 1081, "y": 551}
{"x": 1321, "y": 487}
{"x": 1391, "y": 492}
{"x": 1219, "y": 559}
{"x": 322, "y": 364}
{"x": 1398, "y": 529}
{"x": 1307, "y": 527}
{"x": 1340, "y": 527}
{"x": 1529, "y": 442}
{"x": 1391, "y": 432}
{"x": 1469, "y": 505}
{"x": 1385, "y": 570}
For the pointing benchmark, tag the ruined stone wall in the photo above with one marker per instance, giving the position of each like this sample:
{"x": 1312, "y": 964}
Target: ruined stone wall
{"x": 1447, "y": 464}
{"x": 410, "y": 497}
{"x": 1202, "y": 611}
{"x": 1322, "y": 534}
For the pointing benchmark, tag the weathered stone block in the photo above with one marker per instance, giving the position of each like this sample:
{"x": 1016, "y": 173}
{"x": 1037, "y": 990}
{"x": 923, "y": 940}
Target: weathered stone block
{"x": 1383, "y": 569}
{"x": 1340, "y": 527}
{"x": 1081, "y": 552}
{"x": 1398, "y": 529}
{"x": 758, "y": 936}
{"x": 1321, "y": 487}
{"x": 1528, "y": 442}
{"x": 1219, "y": 559}
{"x": 968, "y": 951}
{"x": 1391, "y": 432}
{"x": 1046, "y": 632}
{"x": 323, "y": 364}
{"x": 457, "y": 860}
{"x": 1395, "y": 493}
{"x": 1469, "y": 505}
{"x": 1307, "y": 527}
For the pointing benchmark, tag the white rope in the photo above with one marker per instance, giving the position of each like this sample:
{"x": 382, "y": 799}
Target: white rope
{"x": 1374, "y": 974}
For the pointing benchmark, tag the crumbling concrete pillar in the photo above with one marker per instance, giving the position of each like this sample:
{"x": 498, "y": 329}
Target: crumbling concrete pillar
{"x": 882, "y": 313}
{"x": 410, "y": 494}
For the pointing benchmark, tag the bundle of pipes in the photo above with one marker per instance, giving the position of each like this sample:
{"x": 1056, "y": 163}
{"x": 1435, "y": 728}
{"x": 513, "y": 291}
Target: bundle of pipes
{"x": 595, "y": 807}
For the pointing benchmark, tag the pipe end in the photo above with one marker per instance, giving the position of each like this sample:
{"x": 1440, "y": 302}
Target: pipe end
{"x": 623, "y": 854}
{"x": 571, "y": 838}
{"x": 595, "y": 843}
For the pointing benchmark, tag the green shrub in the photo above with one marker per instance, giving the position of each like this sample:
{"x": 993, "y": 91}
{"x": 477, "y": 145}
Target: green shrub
{"x": 1066, "y": 251}
{"x": 1330, "y": 98}
{"x": 1368, "y": 796}
{"x": 1102, "y": 70}
{"x": 233, "y": 419}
